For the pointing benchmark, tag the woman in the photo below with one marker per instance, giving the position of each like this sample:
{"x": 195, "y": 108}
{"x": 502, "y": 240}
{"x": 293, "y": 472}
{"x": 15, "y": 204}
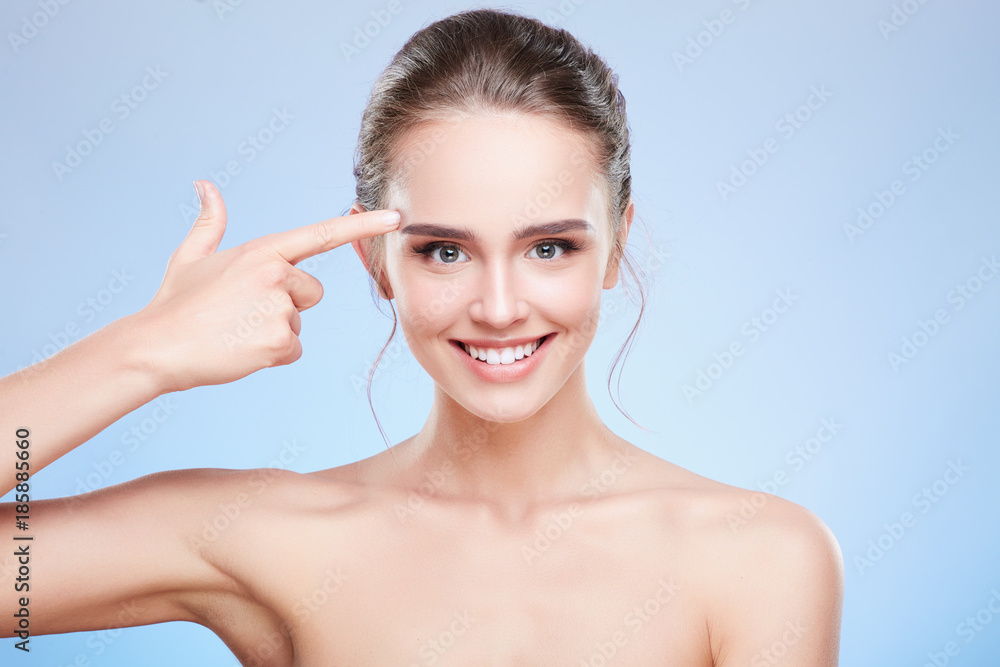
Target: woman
{"x": 515, "y": 527}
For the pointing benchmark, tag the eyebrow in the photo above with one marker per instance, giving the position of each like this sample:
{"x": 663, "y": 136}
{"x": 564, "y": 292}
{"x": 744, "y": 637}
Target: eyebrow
{"x": 521, "y": 233}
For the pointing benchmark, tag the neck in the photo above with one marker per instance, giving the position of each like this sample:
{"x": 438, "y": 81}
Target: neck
{"x": 516, "y": 467}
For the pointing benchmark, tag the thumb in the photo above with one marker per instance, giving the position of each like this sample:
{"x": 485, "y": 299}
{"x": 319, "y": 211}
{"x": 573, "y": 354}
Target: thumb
{"x": 209, "y": 226}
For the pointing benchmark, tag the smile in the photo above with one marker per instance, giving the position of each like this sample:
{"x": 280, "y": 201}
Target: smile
{"x": 503, "y": 365}
{"x": 505, "y": 355}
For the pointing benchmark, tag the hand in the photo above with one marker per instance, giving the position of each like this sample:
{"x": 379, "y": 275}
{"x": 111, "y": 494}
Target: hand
{"x": 219, "y": 316}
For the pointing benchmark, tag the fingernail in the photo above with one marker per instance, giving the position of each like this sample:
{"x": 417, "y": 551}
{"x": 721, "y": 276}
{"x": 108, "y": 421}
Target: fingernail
{"x": 199, "y": 189}
{"x": 392, "y": 219}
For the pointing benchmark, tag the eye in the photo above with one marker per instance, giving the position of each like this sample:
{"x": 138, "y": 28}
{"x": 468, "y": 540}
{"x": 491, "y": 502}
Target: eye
{"x": 547, "y": 247}
{"x": 431, "y": 250}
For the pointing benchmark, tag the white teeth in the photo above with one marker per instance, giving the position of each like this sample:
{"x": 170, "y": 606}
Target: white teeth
{"x": 507, "y": 355}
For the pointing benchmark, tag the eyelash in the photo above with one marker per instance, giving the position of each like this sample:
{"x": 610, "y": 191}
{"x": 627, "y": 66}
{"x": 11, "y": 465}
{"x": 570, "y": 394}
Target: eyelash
{"x": 567, "y": 246}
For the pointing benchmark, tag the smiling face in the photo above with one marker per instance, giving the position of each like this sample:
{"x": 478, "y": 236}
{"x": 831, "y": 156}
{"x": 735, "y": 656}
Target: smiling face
{"x": 504, "y": 235}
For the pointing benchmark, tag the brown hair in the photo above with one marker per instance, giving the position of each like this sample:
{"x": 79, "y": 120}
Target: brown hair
{"x": 482, "y": 61}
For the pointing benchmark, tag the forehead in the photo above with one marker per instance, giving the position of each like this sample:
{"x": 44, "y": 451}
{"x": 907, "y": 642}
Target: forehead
{"x": 497, "y": 168}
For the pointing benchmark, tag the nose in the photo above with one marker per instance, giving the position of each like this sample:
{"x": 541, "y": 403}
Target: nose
{"x": 499, "y": 298}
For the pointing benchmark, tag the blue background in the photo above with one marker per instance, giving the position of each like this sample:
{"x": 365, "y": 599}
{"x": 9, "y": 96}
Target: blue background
{"x": 714, "y": 262}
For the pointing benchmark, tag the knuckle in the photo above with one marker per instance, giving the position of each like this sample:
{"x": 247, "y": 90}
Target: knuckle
{"x": 308, "y": 286}
{"x": 274, "y": 358}
{"x": 272, "y": 273}
{"x": 324, "y": 234}
{"x": 294, "y": 354}
{"x": 281, "y": 343}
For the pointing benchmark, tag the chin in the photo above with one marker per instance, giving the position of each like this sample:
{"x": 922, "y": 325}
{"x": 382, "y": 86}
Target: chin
{"x": 509, "y": 408}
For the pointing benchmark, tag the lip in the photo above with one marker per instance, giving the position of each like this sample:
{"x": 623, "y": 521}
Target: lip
{"x": 499, "y": 344}
{"x": 505, "y": 372}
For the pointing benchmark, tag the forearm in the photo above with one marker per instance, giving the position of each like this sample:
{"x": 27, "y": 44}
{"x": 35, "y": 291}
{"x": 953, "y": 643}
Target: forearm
{"x": 67, "y": 399}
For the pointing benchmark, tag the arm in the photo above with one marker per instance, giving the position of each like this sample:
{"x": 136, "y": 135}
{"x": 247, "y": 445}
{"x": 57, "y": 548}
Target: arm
{"x": 72, "y": 396}
{"x": 124, "y": 555}
{"x": 781, "y": 598}
{"x": 120, "y": 556}
{"x": 176, "y": 342}
{"x": 192, "y": 333}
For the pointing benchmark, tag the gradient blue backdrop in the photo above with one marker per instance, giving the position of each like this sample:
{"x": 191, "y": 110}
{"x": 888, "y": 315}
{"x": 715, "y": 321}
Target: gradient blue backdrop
{"x": 894, "y": 77}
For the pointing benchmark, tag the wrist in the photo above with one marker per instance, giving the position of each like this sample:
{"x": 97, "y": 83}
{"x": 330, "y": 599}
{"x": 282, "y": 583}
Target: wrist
{"x": 139, "y": 358}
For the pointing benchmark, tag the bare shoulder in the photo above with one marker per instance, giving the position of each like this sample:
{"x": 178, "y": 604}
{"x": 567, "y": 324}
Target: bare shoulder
{"x": 771, "y": 570}
{"x": 247, "y": 502}
{"x": 732, "y": 516}
{"x": 243, "y": 487}
{"x": 148, "y": 550}
{"x": 742, "y": 516}
{"x": 221, "y": 516}
{"x": 231, "y": 492}
{"x": 236, "y": 519}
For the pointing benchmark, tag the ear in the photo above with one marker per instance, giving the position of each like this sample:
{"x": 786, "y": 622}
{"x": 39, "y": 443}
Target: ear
{"x": 611, "y": 276}
{"x": 362, "y": 247}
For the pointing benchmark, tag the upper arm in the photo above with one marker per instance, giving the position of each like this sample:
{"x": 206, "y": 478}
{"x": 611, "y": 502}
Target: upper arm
{"x": 120, "y": 556}
{"x": 783, "y": 593}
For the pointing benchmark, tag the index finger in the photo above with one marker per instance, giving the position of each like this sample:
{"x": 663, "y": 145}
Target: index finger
{"x": 298, "y": 244}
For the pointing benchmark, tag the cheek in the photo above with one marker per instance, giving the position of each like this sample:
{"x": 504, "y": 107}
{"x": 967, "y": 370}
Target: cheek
{"x": 428, "y": 301}
{"x": 575, "y": 306}
{"x": 567, "y": 299}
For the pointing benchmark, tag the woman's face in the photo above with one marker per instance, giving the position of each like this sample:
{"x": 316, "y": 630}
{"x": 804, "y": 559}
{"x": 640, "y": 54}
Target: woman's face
{"x": 465, "y": 264}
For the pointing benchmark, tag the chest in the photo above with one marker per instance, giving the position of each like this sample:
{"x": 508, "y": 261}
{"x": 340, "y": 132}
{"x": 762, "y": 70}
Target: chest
{"x": 578, "y": 593}
{"x": 587, "y": 625}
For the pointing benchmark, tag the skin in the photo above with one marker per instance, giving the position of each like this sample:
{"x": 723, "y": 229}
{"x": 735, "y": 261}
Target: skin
{"x": 515, "y": 528}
